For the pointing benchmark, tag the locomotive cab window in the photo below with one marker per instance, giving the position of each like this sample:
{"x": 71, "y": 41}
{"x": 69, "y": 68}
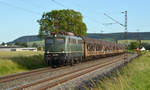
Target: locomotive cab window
{"x": 60, "y": 41}
{"x": 50, "y": 41}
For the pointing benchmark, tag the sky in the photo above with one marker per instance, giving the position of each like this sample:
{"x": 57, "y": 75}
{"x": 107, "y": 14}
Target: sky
{"x": 19, "y": 17}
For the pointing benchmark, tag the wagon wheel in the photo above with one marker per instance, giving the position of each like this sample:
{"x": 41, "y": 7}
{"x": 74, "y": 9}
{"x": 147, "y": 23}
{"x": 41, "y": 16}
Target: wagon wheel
{"x": 49, "y": 62}
{"x": 80, "y": 59}
{"x": 71, "y": 62}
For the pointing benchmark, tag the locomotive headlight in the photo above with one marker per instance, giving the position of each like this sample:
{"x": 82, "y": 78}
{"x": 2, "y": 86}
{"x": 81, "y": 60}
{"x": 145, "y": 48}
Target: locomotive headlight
{"x": 55, "y": 54}
{"x": 47, "y": 52}
{"x": 62, "y": 51}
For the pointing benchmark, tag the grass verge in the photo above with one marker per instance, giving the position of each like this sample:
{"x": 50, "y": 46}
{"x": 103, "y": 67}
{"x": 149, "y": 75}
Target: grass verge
{"x": 134, "y": 76}
{"x": 13, "y": 62}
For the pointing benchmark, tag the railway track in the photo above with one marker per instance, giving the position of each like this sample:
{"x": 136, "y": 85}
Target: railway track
{"x": 12, "y": 77}
{"x": 16, "y": 76}
{"x": 59, "y": 79}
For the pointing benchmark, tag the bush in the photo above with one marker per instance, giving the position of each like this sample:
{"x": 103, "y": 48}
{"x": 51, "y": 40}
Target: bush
{"x": 146, "y": 46}
{"x": 133, "y": 45}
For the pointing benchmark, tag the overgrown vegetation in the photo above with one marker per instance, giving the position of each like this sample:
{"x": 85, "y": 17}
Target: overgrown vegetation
{"x": 21, "y": 44}
{"x": 12, "y": 62}
{"x": 134, "y": 76}
{"x": 129, "y": 41}
{"x": 134, "y": 44}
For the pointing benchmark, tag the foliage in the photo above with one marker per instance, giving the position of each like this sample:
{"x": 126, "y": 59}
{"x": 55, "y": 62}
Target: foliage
{"x": 133, "y": 45}
{"x": 62, "y": 20}
{"x": 34, "y": 45}
{"x": 146, "y": 46}
{"x": 21, "y": 44}
{"x": 109, "y": 39}
{"x": 38, "y": 43}
{"x": 135, "y": 76}
{"x": 3, "y": 43}
{"x": 129, "y": 41}
{"x": 39, "y": 48}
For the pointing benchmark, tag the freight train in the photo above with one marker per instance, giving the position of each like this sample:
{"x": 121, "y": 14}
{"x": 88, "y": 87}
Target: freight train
{"x": 65, "y": 48}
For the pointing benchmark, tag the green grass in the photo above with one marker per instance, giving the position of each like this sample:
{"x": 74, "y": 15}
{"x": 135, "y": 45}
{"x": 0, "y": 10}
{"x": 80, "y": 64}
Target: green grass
{"x": 13, "y": 62}
{"x": 129, "y": 41}
{"x": 134, "y": 76}
{"x": 16, "y": 54}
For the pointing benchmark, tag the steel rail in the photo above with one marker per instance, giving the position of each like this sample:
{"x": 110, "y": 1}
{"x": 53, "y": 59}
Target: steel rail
{"x": 26, "y": 74}
{"x": 63, "y": 75}
{"x": 87, "y": 70}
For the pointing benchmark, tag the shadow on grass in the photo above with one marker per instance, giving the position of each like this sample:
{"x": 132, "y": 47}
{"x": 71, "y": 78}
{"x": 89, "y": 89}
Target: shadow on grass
{"x": 30, "y": 62}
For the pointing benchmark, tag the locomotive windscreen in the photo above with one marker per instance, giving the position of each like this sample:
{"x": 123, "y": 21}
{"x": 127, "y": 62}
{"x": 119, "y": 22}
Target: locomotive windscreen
{"x": 49, "y": 41}
{"x": 55, "y": 44}
{"x": 60, "y": 41}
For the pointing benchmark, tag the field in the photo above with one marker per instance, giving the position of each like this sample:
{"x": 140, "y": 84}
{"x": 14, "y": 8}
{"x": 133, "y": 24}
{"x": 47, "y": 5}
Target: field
{"x": 129, "y": 41}
{"x": 134, "y": 76}
{"x": 13, "y": 62}
{"x": 39, "y": 43}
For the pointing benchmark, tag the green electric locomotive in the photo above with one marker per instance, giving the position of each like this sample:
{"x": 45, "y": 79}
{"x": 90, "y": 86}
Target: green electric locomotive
{"x": 63, "y": 48}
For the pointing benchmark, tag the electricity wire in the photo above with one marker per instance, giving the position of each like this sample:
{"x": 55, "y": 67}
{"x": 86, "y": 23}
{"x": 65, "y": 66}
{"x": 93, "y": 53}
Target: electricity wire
{"x": 20, "y": 8}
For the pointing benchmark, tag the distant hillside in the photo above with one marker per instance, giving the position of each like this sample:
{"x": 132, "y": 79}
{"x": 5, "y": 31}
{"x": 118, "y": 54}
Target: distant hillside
{"x": 26, "y": 39}
{"x": 120, "y": 36}
{"x": 115, "y": 36}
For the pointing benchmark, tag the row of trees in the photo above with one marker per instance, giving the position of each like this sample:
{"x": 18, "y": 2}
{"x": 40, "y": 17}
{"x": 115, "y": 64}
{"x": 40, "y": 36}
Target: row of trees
{"x": 3, "y": 43}
{"x": 33, "y": 45}
{"x": 21, "y": 44}
{"x": 135, "y": 45}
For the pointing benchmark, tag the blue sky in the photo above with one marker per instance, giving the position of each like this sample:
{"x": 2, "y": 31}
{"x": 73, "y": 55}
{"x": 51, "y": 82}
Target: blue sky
{"x": 19, "y": 17}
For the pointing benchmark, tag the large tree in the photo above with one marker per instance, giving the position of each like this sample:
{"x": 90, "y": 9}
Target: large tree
{"x": 62, "y": 20}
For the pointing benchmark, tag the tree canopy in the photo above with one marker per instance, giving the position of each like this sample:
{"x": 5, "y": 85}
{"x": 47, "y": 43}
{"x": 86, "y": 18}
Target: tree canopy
{"x": 62, "y": 20}
{"x": 146, "y": 45}
{"x": 3, "y": 43}
{"x": 133, "y": 45}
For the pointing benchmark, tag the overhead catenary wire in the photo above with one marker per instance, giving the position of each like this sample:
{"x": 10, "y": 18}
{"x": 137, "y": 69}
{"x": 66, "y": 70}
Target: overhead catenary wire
{"x": 33, "y": 4}
{"x": 38, "y": 13}
{"x": 92, "y": 19}
{"x": 114, "y": 20}
{"x": 88, "y": 18}
{"x": 20, "y": 8}
{"x": 58, "y": 3}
